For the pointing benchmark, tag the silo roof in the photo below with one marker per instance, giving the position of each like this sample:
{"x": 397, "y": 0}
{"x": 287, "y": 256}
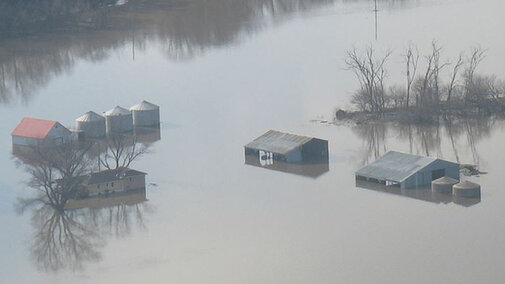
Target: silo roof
{"x": 395, "y": 166}
{"x": 278, "y": 142}
{"x": 117, "y": 111}
{"x": 445, "y": 180}
{"x": 144, "y": 105}
{"x": 467, "y": 185}
{"x": 90, "y": 116}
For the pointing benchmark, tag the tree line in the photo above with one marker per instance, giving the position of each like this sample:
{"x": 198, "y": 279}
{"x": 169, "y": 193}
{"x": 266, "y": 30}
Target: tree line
{"x": 425, "y": 91}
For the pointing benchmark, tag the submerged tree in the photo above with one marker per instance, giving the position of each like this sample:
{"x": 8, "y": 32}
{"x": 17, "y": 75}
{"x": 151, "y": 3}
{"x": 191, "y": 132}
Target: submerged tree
{"x": 120, "y": 151}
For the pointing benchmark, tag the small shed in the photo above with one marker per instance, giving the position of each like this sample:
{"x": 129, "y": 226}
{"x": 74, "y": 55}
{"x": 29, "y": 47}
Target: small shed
{"x": 118, "y": 120}
{"x": 145, "y": 114}
{"x": 406, "y": 170}
{"x": 275, "y": 146}
{"x": 91, "y": 124}
{"x": 39, "y": 132}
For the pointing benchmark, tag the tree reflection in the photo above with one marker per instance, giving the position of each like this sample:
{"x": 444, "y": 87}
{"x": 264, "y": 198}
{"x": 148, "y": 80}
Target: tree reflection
{"x": 461, "y": 135}
{"x": 70, "y": 231}
{"x": 41, "y": 40}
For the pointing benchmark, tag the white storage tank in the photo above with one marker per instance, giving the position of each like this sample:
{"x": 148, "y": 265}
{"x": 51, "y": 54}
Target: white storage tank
{"x": 145, "y": 114}
{"x": 466, "y": 189}
{"x": 443, "y": 185}
{"x": 118, "y": 120}
{"x": 91, "y": 124}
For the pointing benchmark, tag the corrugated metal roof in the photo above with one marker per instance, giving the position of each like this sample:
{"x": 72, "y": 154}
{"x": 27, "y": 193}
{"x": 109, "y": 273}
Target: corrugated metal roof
{"x": 34, "y": 128}
{"x": 395, "y": 166}
{"x": 90, "y": 116}
{"x": 144, "y": 105}
{"x": 278, "y": 142}
{"x": 117, "y": 111}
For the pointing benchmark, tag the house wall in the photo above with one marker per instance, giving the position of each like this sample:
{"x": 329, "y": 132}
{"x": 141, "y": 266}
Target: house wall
{"x": 123, "y": 184}
{"x": 424, "y": 178}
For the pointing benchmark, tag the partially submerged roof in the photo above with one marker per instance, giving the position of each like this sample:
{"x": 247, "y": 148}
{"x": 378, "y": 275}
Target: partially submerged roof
{"x": 90, "y": 116}
{"x": 144, "y": 105}
{"x": 112, "y": 175}
{"x": 395, "y": 166}
{"x": 278, "y": 142}
{"x": 117, "y": 111}
{"x": 34, "y": 128}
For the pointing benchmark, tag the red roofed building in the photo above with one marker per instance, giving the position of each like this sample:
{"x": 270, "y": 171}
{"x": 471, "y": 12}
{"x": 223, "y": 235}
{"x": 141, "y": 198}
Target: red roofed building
{"x": 39, "y": 132}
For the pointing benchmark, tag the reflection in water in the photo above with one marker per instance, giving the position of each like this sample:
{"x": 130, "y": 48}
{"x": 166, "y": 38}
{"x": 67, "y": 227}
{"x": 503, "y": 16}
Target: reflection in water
{"x": 461, "y": 134}
{"x": 184, "y": 29}
{"x": 76, "y": 207}
{"x": 308, "y": 169}
{"x": 424, "y": 194}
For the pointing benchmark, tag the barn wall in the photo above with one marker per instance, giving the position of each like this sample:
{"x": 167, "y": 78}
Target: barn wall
{"x": 59, "y": 132}
{"x": 316, "y": 150}
{"x": 424, "y": 178}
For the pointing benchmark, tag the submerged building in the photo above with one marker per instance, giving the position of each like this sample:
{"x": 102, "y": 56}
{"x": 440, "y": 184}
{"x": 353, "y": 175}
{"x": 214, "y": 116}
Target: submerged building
{"x": 33, "y": 132}
{"x": 91, "y": 124}
{"x": 286, "y": 152}
{"x": 115, "y": 180}
{"x": 406, "y": 170}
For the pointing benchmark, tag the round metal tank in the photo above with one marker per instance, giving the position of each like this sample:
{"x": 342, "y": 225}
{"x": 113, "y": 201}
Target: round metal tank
{"x": 466, "y": 189}
{"x": 118, "y": 120}
{"x": 145, "y": 114}
{"x": 443, "y": 185}
{"x": 92, "y": 124}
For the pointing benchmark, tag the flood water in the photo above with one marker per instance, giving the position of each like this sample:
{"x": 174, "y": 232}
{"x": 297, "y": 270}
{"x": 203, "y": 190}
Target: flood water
{"x": 223, "y": 73}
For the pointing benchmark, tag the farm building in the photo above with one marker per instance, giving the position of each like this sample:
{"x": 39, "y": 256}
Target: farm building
{"x": 406, "y": 170}
{"x": 91, "y": 124}
{"x": 275, "y": 146}
{"x": 145, "y": 114}
{"x": 39, "y": 132}
{"x": 115, "y": 180}
{"x": 118, "y": 120}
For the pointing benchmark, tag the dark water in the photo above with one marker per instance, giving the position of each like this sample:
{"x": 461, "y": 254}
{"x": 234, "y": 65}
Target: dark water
{"x": 224, "y": 72}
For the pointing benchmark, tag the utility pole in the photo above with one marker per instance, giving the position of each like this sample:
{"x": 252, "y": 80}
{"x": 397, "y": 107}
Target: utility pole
{"x": 375, "y": 11}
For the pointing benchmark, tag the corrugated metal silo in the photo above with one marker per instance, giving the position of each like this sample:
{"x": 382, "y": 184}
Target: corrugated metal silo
{"x": 118, "y": 120}
{"x": 145, "y": 114}
{"x": 92, "y": 124}
{"x": 443, "y": 185}
{"x": 466, "y": 189}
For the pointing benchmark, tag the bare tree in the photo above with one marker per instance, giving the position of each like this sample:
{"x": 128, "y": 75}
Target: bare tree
{"x": 411, "y": 60}
{"x": 454, "y": 75}
{"x": 120, "y": 151}
{"x": 476, "y": 57}
{"x": 371, "y": 74}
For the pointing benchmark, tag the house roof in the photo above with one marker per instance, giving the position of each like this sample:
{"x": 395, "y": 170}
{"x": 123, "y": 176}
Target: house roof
{"x": 90, "y": 116}
{"x": 395, "y": 166}
{"x": 144, "y": 105}
{"x": 34, "y": 128}
{"x": 117, "y": 111}
{"x": 278, "y": 142}
{"x": 112, "y": 175}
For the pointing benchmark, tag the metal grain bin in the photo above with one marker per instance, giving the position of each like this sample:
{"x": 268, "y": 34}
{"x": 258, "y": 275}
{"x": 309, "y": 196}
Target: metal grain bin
{"x": 91, "y": 124}
{"x": 466, "y": 189}
{"x": 145, "y": 114}
{"x": 443, "y": 185}
{"x": 118, "y": 120}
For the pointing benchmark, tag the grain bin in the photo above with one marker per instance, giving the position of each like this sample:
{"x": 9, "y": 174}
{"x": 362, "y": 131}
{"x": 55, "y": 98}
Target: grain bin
{"x": 443, "y": 185}
{"x": 91, "y": 124}
{"x": 145, "y": 114}
{"x": 466, "y": 189}
{"x": 118, "y": 120}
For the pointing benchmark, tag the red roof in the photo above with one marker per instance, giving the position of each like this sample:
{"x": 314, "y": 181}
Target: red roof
{"x": 34, "y": 128}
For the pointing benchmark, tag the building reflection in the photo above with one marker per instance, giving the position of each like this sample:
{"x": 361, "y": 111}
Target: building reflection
{"x": 307, "y": 169}
{"x": 423, "y": 194}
